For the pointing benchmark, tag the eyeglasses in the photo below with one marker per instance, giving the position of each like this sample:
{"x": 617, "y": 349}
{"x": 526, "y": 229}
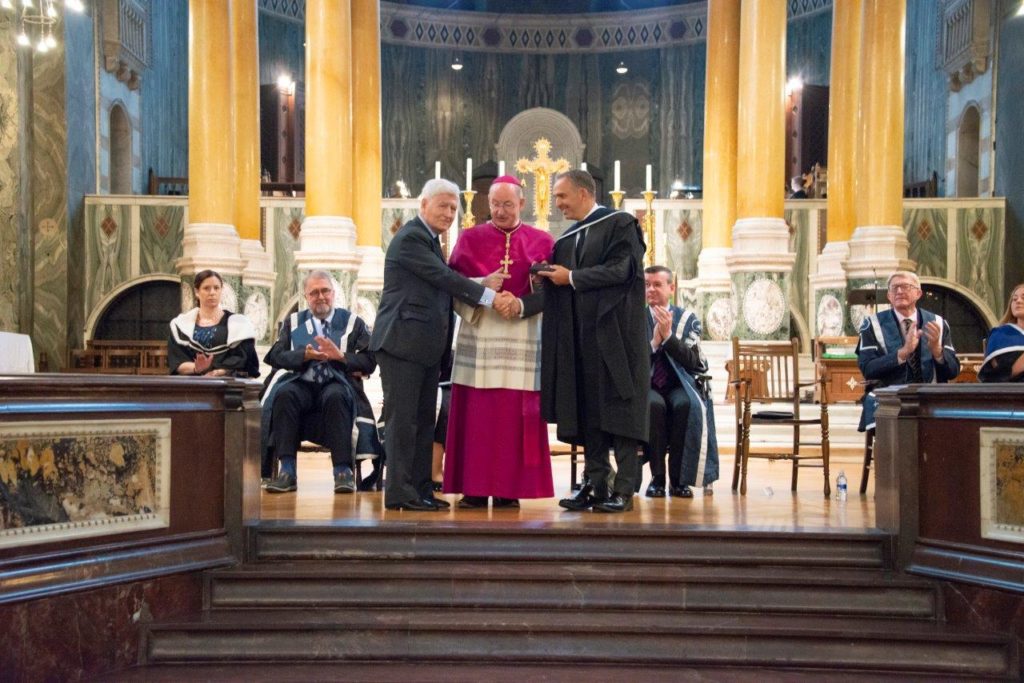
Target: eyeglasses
{"x": 902, "y": 288}
{"x": 317, "y": 293}
{"x": 507, "y": 206}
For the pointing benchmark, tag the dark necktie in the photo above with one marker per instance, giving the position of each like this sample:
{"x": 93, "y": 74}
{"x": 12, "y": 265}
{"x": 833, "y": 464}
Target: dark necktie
{"x": 914, "y": 375}
{"x": 580, "y": 239}
{"x": 660, "y": 377}
{"x": 322, "y": 369}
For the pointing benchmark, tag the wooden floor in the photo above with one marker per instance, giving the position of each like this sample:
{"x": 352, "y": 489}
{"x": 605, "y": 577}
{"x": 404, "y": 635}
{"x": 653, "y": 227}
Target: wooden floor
{"x": 768, "y": 506}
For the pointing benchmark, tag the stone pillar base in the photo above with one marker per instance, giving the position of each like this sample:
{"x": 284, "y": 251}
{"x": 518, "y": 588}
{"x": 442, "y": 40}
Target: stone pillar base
{"x": 216, "y": 246}
{"x": 876, "y": 251}
{"x": 329, "y": 243}
{"x": 829, "y": 288}
{"x": 714, "y": 293}
{"x": 760, "y": 264}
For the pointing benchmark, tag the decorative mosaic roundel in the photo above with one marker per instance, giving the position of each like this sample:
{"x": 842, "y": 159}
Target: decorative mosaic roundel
{"x": 764, "y": 306}
{"x": 857, "y": 315}
{"x": 830, "y": 316}
{"x": 228, "y": 298}
{"x": 257, "y": 310}
{"x": 719, "y": 320}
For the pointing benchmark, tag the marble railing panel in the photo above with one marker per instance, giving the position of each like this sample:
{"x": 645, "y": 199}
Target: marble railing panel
{"x": 162, "y": 230}
{"x": 980, "y": 253}
{"x": 108, "y": 249}
{"x": 928, "y": 235}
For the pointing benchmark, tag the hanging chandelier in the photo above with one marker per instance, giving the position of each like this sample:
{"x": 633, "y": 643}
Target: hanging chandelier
{"x": 37, "y": 20}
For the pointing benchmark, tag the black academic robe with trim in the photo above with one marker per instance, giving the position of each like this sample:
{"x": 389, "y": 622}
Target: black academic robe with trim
{"x": 600, "y": 323}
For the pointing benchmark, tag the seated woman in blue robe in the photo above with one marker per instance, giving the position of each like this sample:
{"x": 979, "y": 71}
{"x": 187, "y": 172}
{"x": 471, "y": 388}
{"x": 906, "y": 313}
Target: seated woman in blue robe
{"x": 210, "y": 341}
{"x": 1004, "y": 351}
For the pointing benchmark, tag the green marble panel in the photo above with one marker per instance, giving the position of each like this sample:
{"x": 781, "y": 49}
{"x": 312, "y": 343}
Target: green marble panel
{"x": 10, "y": 257}
{"x": 254, "y": 302}
{"x": 981, "y": 257}
{"x": 50, "y": 208}
{"x": 684, "y": 234}
{"x": 799, "y": 222}
{"x": 287, "y": 226}
{"x": 718, "y": 314}
{"x": 162, "y": 232}
{"x": 831, "y": 318}
{"x": 391, "y": 221}
{"x": 928, "y": 235}
{"x": 107, "y": 249}
{"x": 762, "y": 305}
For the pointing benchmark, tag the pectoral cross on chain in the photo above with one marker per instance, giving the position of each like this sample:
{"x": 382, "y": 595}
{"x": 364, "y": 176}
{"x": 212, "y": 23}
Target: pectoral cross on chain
{"x": 507, "y": 261}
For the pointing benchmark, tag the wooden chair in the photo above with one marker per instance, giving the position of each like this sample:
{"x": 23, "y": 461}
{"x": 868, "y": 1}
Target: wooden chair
{"x": 87, "y": 360}
{"x": 154, "y": 362}
{"x": 123, "y": 361}
{"x": 779, "y": 362}
{"x": 575, "y": 454}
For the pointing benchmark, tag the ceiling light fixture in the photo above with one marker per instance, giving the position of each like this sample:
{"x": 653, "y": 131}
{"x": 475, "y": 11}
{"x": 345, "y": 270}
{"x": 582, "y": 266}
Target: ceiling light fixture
{"x": 457, "y": 64}
{"x": 622, "y": 68}
{"x": 37, "y": 22}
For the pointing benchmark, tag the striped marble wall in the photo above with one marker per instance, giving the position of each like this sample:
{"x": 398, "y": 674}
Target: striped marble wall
{"x": 10, "y": 256}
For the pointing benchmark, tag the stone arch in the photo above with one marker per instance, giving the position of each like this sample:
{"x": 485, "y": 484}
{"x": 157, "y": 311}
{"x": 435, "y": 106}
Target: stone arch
{"x": 525, "y": 128}
{"x": 968, "y": 151}
{"x": 102, "y": 306}
{"x": 120, "y": 150}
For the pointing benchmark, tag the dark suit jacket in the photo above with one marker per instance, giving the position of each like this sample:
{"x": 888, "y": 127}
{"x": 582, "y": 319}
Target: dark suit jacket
{"x": 415, "y": 318}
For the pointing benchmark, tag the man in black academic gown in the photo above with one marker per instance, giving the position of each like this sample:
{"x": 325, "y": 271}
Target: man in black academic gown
{"x": 595, "y": 366}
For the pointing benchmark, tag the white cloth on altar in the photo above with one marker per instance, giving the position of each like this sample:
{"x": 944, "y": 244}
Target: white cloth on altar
{"x": 16, "y": 355}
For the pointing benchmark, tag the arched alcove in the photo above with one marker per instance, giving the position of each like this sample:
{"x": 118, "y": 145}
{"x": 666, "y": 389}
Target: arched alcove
{"x": 967, "y": 323}
{"x": 140, "y": 312}
{"x": 967, "y": 152}
{"x": 120, "y": 151}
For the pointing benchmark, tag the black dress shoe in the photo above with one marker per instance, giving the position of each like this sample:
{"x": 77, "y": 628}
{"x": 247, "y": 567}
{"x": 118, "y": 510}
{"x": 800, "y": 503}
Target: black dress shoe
{"x": 581, "y": 500}
{"x": 438, "y": 486}
{"x": 413, "y": 505}
{"x": 472, "y": 502}
{"x": 282, "y": 483}
{"x": 655, "y": 491}
{"x": 615, "y": 503}
{"x": 506, "y": 502}
{"x": 683, "y": 491}
{"x": 439, "y": 503}
{"x": 345, "y": 481}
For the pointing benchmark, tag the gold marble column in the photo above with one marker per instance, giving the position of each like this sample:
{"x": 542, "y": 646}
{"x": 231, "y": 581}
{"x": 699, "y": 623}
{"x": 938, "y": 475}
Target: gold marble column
{"x": 720, "y": 111}
{"x": 329, "y": 172}
{"x": 210, "y": 151}
{"x": 879, "y": 245}
{"x": 327, "y": 239}
{"x": 210, "y": 239}
{"x": 843, "y": 111}
{"x": 246, "y": 90}
{"x": 760, "y": 261}
{"x": 366, "y": 161}
{"x": 829, "y": 283}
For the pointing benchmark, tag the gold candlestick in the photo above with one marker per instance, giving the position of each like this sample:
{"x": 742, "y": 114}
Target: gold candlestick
{"x": 468, "y": 219}
{"x": 617, "y": 196}
{"x": 649, "y": 226}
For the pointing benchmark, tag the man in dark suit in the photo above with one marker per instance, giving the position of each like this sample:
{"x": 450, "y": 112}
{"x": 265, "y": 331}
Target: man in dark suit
{"x": 412, "y": 330}
{"x": 682, "y": 414}
{"x": 595, "y": 365}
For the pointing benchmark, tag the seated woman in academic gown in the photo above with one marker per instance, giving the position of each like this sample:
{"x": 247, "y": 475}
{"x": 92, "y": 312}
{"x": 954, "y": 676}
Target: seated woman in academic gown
{"x": 1004, "y": 351}
{"x": 210, "y": 341}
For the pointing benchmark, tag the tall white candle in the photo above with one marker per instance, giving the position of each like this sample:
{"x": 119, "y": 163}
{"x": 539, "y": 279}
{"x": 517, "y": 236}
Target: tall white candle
{"x": 583, "y": 166}
{"x": 648, "y": 177}
{"x": 437, "y": 170}
{"x": 618, "y": 178}
{"x": 469, "y": 174}
{"x": 501, "y": 168}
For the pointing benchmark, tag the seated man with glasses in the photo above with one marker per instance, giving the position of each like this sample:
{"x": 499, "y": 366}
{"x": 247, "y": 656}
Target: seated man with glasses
{"x": 316, "y": 390}
{"x": 903, "y": 345}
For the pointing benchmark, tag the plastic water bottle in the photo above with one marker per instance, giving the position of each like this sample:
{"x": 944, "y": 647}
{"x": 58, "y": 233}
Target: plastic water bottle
{"x": 841, "y": 486}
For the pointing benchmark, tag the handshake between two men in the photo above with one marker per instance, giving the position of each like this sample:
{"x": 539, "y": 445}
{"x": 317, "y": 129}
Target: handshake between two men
{"x": 506, "y": 304}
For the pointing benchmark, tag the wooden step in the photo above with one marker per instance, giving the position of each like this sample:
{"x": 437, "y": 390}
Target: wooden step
{"x": 588, "y": 636}
{"x": 558, "y": 585}
{"x": 439, "y": 540}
